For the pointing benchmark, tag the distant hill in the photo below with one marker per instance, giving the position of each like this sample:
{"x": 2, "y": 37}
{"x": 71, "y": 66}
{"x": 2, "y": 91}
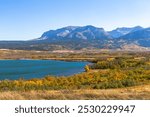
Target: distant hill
{"x": 140, "y": 37}
{"x": 123, "y": 31}
{"x": 85, "y": 37}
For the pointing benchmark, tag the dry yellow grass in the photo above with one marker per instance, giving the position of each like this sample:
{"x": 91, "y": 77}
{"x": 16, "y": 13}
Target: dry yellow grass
{"x": 131, "y": 93}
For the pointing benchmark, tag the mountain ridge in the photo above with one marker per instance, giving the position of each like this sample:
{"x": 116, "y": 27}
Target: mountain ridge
{"x": 118, "y": 32}
{"x": 81, "y": 37}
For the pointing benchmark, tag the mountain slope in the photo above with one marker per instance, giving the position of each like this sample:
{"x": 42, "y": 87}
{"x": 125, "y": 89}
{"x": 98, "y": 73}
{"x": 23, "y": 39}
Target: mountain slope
{"x": 74, "y": 32}
{"x": 57, "y": 34}
{"x": 123, "y": 31}
{"x": 140, "y": 34}
{"x": 141, "y": 37}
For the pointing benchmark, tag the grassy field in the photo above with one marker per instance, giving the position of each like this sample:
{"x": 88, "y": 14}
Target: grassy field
{"x": 130, "y": 93}
{"x": 70, "y": 55}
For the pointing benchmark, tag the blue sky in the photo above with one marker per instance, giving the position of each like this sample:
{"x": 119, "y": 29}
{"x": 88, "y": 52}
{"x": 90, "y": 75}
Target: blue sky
{"x": 28, "y": 19}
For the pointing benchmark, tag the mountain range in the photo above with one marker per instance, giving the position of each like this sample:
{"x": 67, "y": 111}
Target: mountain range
{"x": 80, "y": 37}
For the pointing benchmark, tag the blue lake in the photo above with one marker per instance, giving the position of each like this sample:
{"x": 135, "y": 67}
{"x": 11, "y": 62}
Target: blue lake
{"x": 27, "y": 69}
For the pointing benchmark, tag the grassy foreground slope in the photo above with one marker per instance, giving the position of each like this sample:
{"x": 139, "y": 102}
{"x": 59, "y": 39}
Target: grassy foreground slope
{"x": 131, "y": 93}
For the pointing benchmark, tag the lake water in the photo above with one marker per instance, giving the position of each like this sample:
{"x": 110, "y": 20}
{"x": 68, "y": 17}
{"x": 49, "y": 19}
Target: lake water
{"x": 15, "y": 69}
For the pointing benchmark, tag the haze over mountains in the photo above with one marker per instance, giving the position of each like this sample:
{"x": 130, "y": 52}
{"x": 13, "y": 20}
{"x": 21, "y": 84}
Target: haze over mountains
{"x": 81, "y": 37}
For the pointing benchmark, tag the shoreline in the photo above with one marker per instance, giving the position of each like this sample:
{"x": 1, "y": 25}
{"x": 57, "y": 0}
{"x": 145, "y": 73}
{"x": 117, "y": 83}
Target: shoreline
{"x": 57, "y": 59}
